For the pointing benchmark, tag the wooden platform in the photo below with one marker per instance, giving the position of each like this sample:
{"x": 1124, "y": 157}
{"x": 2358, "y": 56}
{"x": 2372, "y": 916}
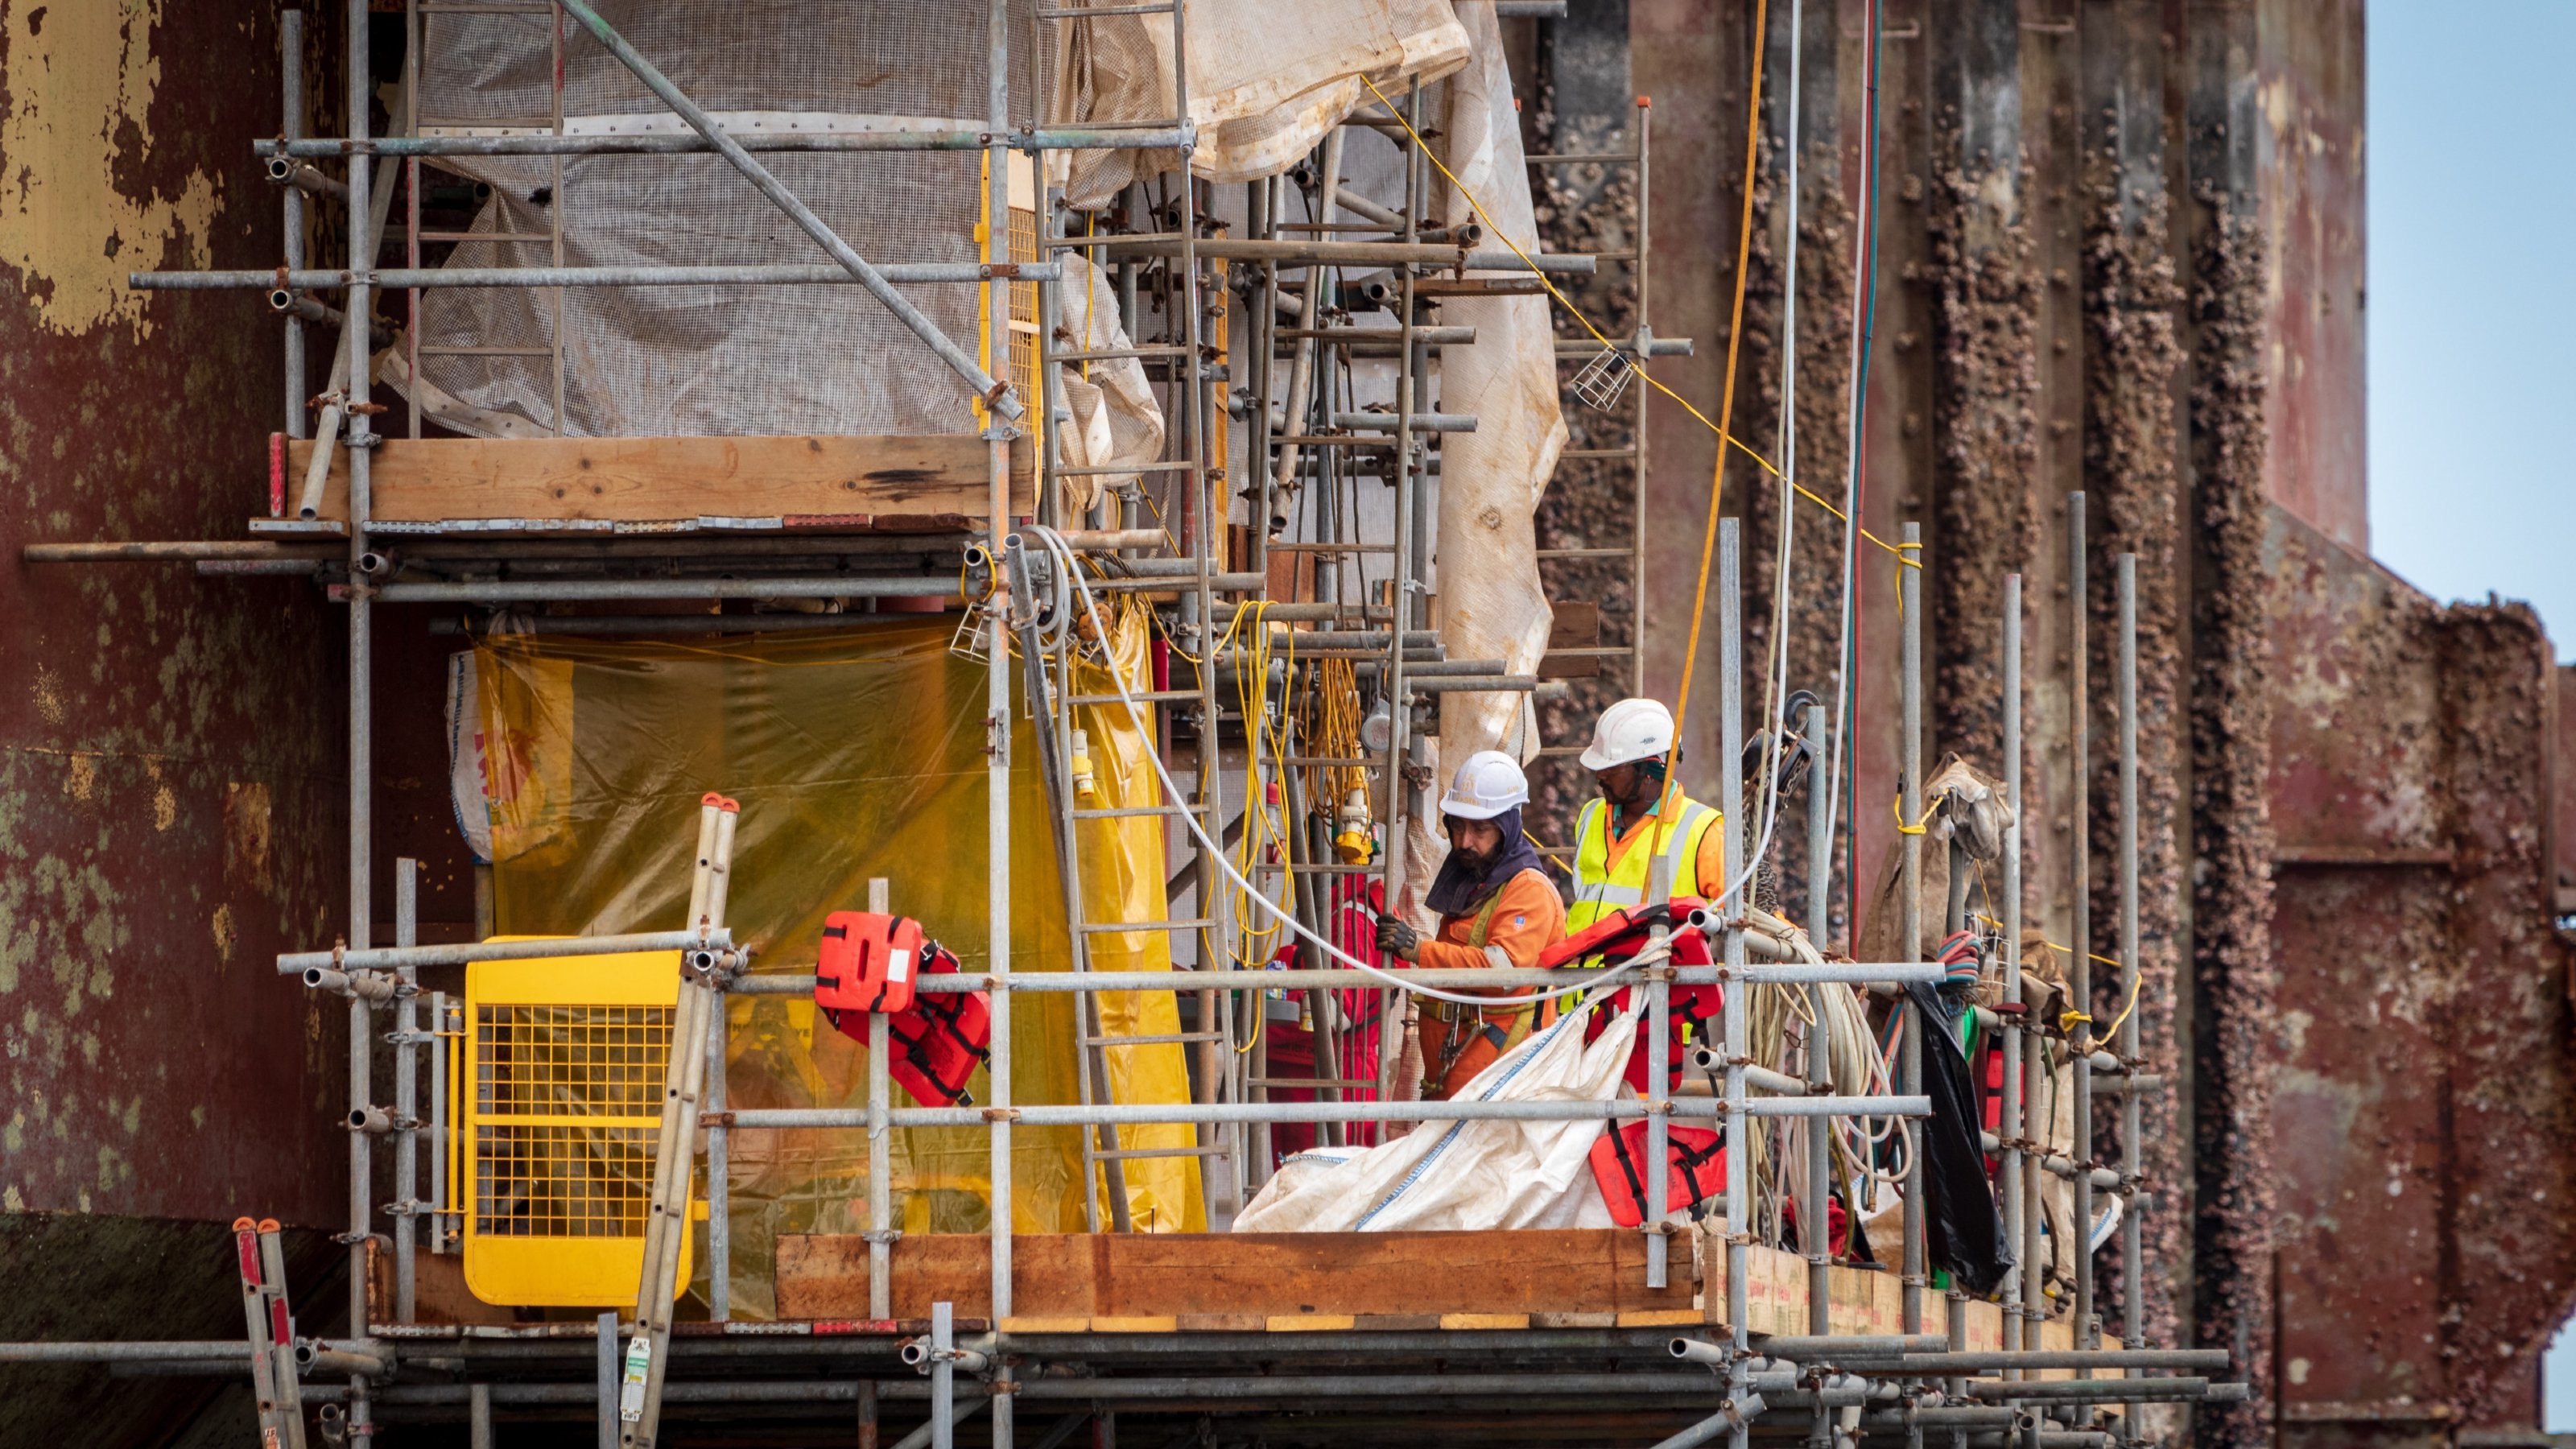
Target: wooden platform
{"x": 658, "y": 485}
{"x": 1306, "y": 1282}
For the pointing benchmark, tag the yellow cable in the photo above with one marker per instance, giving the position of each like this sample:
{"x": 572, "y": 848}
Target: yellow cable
{"x": 1841, "y": 516}
{"x": 2135, "y": 982}
{"x": 2054, "y": 946}
{"x": 1251, "y": 684}
{"x": 1896, "y": 807}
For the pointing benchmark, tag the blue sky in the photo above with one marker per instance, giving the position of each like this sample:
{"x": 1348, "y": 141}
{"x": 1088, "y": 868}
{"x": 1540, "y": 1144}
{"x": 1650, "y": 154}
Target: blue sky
{"x": 2472, "y": 306}
{"x": 2473, "y": 325}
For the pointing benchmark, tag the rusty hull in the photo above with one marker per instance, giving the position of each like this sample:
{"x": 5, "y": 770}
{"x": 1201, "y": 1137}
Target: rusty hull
{"x": 2422, "y": 1123}
{"x": 170, "y": 762}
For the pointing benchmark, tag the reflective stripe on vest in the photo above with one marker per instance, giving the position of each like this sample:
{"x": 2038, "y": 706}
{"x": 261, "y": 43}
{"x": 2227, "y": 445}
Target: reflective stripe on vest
{"x": 1600, "y": 890}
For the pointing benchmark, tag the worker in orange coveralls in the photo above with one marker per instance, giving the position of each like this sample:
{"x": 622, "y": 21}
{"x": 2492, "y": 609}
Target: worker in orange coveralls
{"x": 1497, "y": 908}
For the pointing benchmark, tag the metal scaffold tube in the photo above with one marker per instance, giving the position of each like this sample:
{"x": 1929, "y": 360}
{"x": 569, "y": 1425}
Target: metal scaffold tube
{"x": 361, "y": 715}
{"x": 1845, "y": 973}
{"x": 1734, "y": 1024}
{"x": 1910, "y": 906}
{"x": 2079, "y": 966}
{"x": 2018, "y": 1328}
{"x": 2132, "y": 1236}
{"x": 1002, "y": 411}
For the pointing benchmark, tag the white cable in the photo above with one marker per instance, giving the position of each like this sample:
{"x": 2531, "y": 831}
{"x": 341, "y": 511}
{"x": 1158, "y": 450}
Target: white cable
{"x": 1592, "y": 981}
{"x": 1776, "y": 678}
{"x": 1851, "y": 506}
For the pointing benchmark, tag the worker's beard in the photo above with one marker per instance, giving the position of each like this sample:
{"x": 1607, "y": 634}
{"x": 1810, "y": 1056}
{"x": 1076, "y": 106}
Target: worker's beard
{"x": 1643, "y": 789}
{"x": 1472, "y": 860}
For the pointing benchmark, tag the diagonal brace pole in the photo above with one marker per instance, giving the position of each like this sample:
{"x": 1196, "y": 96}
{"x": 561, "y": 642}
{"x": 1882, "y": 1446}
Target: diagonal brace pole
{"x": 996, "y": 395}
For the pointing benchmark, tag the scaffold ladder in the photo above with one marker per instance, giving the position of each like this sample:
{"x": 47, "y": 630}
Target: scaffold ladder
{"x": 1050, "y": 672}
{"x": 684, "y": 1076}
{"x": 272, "y": 1333}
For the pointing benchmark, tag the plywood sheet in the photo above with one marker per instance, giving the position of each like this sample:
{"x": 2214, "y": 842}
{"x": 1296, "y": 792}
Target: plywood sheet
{"x": 543, "y": 484}
{"x": 1285, "y": 1280}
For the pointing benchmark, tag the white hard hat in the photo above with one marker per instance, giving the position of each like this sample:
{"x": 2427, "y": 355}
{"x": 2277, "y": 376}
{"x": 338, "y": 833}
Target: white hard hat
{"x": 1489, "y": 783}
{"x": 1632, "y": 729}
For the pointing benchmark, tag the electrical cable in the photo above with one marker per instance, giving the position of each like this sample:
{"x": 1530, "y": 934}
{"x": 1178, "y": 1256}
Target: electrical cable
{"x": 1864, "y": 336}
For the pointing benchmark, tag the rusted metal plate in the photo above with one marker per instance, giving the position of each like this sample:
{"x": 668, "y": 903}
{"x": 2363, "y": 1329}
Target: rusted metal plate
{"x": 169, "y": 792}
{"x": 2309, "y": 73}
{"x": 170, "y": 746}
{"x": 2422, "y": 1124}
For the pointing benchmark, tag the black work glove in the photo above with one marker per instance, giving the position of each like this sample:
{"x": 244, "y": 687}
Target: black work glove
{"x": 1397, "y": 939}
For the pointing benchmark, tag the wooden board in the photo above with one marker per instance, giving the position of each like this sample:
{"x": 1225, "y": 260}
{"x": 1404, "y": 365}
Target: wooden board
{"x": 1320, "y": 1282}
{"x": 1281, "y": 1281}
{"x": 544, "y": 484}
{"x": 1572, "y": 624}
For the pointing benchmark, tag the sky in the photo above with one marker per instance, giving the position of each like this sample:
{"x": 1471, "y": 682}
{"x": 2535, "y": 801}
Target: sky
{"x": 2472, "y": 317}
{"x": 2472, "y": 307}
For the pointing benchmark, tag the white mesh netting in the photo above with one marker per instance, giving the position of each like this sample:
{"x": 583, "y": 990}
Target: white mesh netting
{"x": 664, "y": 361}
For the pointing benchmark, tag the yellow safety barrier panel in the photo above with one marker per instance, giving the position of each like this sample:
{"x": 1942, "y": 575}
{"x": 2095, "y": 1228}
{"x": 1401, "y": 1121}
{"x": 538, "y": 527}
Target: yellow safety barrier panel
{"x": 563, "y": 1084}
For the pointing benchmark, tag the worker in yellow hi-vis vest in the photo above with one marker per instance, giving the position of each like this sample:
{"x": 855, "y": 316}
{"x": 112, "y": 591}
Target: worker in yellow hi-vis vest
{"x": 1637, "y": 818}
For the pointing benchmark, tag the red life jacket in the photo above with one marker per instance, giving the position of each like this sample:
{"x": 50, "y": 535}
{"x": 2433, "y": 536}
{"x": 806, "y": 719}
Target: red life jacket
{"x": 866, "y": 963}
{"x": 1837, "y": 1226}
{"x": 935, "y": 1044}
{"x": 1694, "y": 1163}
{"x": 1622, "y": 934}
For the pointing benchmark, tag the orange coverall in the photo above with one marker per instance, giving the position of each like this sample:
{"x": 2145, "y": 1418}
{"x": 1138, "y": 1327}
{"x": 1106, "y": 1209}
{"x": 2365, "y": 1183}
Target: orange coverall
{"x": 1521, "y": 919}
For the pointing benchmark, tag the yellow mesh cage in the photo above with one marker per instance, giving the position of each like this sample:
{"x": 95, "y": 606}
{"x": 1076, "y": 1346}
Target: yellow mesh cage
{"x": 562, "y": 1115}
{"x": 1024, "y": 320}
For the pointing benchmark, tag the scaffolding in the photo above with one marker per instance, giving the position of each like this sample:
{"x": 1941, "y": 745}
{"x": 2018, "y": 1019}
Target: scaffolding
{"x": 1711, "y": 1372}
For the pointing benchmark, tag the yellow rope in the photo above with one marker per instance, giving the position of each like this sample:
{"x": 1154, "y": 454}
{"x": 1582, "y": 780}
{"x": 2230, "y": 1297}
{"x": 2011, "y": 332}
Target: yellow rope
{"x": 1896, "y": 807}
{"x": 1841, "y": 516}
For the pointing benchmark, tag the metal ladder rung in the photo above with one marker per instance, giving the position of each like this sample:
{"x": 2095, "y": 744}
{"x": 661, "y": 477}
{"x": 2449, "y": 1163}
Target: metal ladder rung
{"x": 1128, "y": 1152}
{"x": 1200, "y": 923}
{"x": 1177, "y": 1038}
{"x": 1113, "y": 354}
{"x": 1148, "y": 696}
{"x": 1078, "y": 13}
{"x": 1330, "y": 1084}
{"x": 1586, "y": 552}
{"x": 1077, "y": 243}
{"x": 1125, "y": 812}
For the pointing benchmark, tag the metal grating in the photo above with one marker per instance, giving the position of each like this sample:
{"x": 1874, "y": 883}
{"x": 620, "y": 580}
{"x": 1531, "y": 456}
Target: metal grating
{"x": 567, "y": 1115}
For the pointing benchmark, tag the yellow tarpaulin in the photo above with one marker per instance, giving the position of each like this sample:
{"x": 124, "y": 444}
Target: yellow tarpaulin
{"x": 855, "y": 754}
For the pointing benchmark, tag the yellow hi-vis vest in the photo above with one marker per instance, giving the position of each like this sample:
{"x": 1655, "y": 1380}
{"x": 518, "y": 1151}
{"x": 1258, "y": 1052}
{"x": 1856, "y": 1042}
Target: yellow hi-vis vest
{"x": 1600, "y": 890}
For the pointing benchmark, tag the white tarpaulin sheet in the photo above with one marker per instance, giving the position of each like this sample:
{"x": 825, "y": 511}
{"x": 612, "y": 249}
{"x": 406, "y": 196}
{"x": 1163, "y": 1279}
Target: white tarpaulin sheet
{"x": 1266, "y": 80}
{"x": 1468, "y": 1176}
{"x": 1491, "y": 602}
{"x": 1116, "y": 421}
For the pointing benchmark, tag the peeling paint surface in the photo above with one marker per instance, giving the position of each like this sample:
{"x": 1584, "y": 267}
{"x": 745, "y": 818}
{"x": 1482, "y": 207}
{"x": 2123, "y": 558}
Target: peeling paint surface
{"x": 76, "y": 213}
{"x": 170, "y": 746}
